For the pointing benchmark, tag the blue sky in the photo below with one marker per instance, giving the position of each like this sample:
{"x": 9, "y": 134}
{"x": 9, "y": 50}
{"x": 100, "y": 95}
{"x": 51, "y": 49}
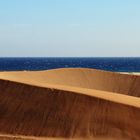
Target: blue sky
{"x": 84, "y": 28}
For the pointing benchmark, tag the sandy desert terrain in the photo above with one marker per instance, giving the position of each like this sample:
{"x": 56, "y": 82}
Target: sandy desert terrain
{"x": 70, "y": 103}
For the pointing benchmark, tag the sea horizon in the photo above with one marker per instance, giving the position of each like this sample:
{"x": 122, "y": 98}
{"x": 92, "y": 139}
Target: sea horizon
{"x": 115, "y": 64}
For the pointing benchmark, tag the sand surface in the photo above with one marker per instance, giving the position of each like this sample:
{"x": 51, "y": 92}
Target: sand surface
{"x": 83, "y": 78}
{"x": 69, "y": 104}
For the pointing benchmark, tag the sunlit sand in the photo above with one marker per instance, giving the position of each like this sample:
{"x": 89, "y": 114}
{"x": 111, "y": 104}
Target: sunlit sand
{"x": 70, "y": 103}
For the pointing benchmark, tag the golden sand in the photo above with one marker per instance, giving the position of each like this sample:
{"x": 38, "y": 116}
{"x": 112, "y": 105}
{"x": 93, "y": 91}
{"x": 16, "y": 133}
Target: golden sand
{"x": 70, "y": 103}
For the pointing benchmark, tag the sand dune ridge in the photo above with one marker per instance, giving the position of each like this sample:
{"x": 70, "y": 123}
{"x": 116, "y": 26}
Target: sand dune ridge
{"x": 70, "y": 103}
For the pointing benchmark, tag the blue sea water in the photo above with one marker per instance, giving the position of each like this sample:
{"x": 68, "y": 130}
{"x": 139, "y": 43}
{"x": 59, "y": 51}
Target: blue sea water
{"x": 109, "y": 64}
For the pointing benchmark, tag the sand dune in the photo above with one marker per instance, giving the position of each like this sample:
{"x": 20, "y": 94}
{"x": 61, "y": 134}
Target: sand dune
{"x": 83, "y": 78}
{"x": 70, "y": 103}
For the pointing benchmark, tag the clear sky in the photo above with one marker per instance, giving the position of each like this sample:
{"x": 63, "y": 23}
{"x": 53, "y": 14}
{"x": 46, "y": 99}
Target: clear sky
{"x": 84, "y": 28}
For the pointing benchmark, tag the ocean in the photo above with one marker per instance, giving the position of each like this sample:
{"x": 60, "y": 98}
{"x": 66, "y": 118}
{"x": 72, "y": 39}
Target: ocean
{"x": 109, "y": 64}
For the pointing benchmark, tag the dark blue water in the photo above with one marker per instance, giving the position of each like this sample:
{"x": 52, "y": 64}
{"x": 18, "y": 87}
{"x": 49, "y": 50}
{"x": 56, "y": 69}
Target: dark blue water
{"x": 110, "y": 64}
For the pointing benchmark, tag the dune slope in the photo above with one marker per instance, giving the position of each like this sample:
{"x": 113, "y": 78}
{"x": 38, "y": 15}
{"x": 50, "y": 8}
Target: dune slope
{"x": 33, "y": 107}
{"x": 80, "y": 77}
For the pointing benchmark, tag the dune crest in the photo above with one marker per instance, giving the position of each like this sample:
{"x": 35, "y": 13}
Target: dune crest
{"x": 80, "y": 77}
{"x": 70, "y": 103}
